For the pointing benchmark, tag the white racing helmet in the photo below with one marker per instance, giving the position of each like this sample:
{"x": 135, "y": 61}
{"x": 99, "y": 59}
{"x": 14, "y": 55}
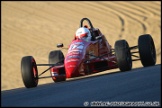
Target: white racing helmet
{"x": 83, "y": 33}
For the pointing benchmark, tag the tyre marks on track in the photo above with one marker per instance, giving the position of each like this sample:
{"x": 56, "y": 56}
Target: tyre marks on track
{"x": 128, "y": 14}
{"x": 141, "y": 14}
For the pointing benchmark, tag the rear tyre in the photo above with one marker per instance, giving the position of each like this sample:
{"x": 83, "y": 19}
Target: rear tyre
{"x": 29, "y": 72}
{"x": 56, "y": 57}
{"x": 147, "y": 50}
{"x": 123, "y": 55}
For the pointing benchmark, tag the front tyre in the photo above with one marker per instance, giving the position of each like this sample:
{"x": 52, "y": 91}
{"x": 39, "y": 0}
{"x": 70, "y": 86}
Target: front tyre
{"x": 55, "y": 57}
{"x": 147, "y": 50}
{"x": 29, "y": 72}
{"x": 123, "y": 55}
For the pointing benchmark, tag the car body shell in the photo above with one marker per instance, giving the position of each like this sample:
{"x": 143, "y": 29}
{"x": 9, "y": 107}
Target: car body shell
{"x": 86, "y": 58}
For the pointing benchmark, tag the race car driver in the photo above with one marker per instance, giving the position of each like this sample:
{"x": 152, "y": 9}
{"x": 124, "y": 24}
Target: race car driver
{"x": 83, "y": 33}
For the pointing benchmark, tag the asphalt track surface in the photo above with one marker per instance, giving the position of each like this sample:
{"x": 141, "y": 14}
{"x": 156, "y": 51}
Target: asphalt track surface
{"x": 141, "y": 85}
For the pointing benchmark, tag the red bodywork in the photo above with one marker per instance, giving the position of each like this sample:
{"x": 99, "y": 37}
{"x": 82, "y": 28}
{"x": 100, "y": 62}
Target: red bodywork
{"x": 86, "y": 58}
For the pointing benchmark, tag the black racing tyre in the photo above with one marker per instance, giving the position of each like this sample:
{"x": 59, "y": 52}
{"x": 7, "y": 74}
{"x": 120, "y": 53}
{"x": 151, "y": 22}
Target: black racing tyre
{"x": 29, "y": 72}
{"x": 56, "y": 56}
{"x": 123, "y": 55}
{"x": 147, "y": 50}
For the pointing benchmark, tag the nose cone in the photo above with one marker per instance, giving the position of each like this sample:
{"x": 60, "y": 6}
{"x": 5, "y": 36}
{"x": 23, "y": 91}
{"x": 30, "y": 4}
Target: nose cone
{"x": 71, "y": 72}
{"x": 71, "y": 69}
{"x": 74, "y": 58}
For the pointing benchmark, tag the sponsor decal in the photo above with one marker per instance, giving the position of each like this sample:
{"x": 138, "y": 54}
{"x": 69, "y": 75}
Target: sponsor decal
{"x": 78, "y": 46}
{"x": 72, "y": 56}
{"x": 77, "y": 50}
{"x": 71, "y": 66}
{"x": 71, "y": 60}
{"x": 73, "y": 52}
{"x": 54, "y": 73}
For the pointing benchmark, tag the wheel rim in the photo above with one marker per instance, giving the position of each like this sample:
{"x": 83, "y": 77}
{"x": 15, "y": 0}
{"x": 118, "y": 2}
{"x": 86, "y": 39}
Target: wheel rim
{"x": 35, "y": 72}
{"x": 129, "y": 57}
{"x": 152, "y": 52}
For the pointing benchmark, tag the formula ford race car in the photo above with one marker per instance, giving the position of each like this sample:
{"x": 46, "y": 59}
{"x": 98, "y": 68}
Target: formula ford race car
{"x": 85, "y": 58}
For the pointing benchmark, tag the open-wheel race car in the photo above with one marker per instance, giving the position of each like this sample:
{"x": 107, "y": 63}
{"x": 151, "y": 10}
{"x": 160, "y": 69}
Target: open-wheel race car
{"x": 88, "y": 57}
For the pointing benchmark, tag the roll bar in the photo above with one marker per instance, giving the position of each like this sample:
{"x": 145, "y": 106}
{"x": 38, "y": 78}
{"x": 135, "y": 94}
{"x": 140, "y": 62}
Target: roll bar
{"x": 89, "y": 22}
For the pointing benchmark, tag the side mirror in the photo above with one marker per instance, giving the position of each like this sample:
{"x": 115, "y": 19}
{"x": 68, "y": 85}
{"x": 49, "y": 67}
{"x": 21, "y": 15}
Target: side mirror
{"x": 60, "y": 45}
